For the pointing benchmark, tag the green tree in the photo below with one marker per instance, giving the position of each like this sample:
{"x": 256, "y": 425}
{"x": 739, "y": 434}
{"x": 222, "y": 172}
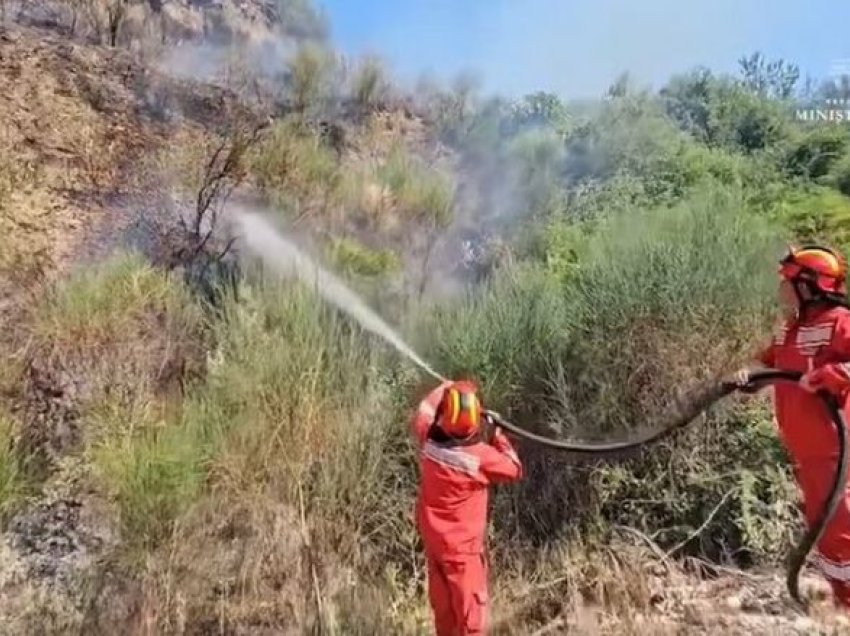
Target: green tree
{"x": 540, "y": 109}
{"x": 688, "y": 98}
{"x": 776, "y": 79}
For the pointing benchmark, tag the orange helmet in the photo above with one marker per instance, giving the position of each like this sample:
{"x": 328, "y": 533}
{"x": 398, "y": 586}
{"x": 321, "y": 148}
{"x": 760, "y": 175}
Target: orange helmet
{"x": 821, "y": 267}
{"x": 460, "y": 410}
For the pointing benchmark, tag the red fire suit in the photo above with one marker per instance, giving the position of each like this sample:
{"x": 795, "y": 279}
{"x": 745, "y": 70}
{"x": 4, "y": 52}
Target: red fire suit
{"x": 451, "y": 514}
{"x": 818, "y": 345}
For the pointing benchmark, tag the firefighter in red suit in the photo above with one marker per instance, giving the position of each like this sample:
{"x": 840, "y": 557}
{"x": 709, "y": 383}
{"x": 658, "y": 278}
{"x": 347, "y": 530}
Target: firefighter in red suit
{"x": 814, "y": 340}
{"x": 456, "y": 468}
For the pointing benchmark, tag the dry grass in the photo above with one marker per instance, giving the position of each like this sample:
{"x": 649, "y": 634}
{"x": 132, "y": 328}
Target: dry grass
{"x": 25, "y": 211}
{"x": 117, "y": 342}
{"x": 298, "y": 172}
{"x": 313, "y": 76}
{"x": 369, "y": 84}
{"x": 277, "y": 495}
{"x": 280, "y": 496}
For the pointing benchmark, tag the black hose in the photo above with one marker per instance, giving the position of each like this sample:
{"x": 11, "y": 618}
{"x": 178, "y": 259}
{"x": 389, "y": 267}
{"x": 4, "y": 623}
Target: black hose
{"x": 836, "y": 495}
{"x": 688, "y": 410}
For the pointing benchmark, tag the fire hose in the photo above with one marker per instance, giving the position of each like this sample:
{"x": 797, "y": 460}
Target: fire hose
{"x": 687, "y": 411}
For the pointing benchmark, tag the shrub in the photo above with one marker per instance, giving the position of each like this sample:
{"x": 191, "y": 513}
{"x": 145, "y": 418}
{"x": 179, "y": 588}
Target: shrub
{"x": 421, "y": 194}
{"x": 312, "y": 77}
{"x": 295, "y": 169}
{"x": 744, "y": 121}
{"x": 300, "y": 19}
{"x": 652, "y": 303}
{"x": 538, "y": 157}
{"x": 356, "y": 259}
{"x": 840, "y": 175}
{"x": 369, "y": 84}
{"x": 816, "y": 151}
{"x": 817, "y": 214}
{"x": 504, "y": 335}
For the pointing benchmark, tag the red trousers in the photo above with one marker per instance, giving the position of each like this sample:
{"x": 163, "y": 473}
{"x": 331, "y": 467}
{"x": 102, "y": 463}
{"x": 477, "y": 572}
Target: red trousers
{"x": 832, "y": 553}
{"x": 457, "y": 589}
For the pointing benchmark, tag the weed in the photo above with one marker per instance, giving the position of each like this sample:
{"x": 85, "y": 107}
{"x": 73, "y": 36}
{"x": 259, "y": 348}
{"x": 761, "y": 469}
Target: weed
{"x": 353, "y": 258}
{"x": 13, "y": 480}
{"x": 369, "y": 85}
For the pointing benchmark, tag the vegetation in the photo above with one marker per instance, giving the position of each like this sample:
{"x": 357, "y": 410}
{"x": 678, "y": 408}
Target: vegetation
{"x": 250, "y": 447}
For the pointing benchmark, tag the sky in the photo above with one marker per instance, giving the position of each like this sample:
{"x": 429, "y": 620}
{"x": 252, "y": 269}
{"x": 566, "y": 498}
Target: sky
{"x": 577, "y": 48}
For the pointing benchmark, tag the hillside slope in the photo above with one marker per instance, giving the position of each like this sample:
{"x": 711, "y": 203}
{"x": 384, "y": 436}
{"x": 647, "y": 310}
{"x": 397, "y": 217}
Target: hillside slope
{"x": 176, "y": 461}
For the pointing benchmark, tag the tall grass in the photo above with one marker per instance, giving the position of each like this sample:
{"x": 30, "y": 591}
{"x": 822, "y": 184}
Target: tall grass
{"x": 369, "y": 84}
{"x": 312, "y": 78}
{"x": 295, "y": 169}
{"x": 421, "y": 194}
{"x": 298, "y": 397}
{"x": 299, "y": 422}
{"x": 657, "y": 301}
{"x": 111, "y": 304}
{"x": 116, "y": 339}
{"x": 289, "y": 464}
{"x": 13, "y": 478}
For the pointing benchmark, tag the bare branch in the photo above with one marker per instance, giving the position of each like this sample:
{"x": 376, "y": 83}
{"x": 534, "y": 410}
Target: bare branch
{"x": 222, "y": 173}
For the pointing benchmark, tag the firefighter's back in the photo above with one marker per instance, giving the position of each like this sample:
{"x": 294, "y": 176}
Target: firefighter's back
{"x": 452, "y": 502}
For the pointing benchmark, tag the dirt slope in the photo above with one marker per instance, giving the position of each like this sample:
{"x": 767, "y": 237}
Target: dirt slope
{"x": 78, "y": 122}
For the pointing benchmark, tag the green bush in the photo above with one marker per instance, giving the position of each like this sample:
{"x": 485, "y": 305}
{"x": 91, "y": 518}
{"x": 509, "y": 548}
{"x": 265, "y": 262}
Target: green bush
{"x": 662, "y": 262}
{"x": 839, "y": 176}
{"x": 817, "y": 214}
{"x": 295, "y": 168}
{"x": 421, "y": 193}
{"x": 651, "y": 302}
{"x": 504, "y": 335}
{"x": 632, "y": 137}
{"x": 813, "y": 155}
{"x": 745, "y": 121}
{"x": 153, "y": 472}
{"x": 355, "y": 259}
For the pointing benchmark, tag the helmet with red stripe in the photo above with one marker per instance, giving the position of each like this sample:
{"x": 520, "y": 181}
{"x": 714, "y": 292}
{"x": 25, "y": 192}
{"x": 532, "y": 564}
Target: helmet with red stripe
{"x": 821, "y": 268}
{"x": 459, "y": 413}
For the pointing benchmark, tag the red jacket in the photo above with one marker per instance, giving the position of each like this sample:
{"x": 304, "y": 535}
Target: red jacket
{"x": 451, "y": 508}
{"x": 819, "y": 345}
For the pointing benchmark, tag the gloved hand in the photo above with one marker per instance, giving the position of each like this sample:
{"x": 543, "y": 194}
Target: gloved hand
{"x": 492, "y": 417}
{"x": 830, "y": 377}
{"x": 811, "y": 382}
{"x": 499, "y": 441}
{"x": 741, "y": 380}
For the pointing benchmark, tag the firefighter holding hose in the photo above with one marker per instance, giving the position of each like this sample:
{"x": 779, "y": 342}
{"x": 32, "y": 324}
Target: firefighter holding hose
{"x": 814, "y": 340}
{"x": 456, "y": 466}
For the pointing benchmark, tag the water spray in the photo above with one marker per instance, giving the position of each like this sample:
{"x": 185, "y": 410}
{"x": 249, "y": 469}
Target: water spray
{"x": 285, "y": 257}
